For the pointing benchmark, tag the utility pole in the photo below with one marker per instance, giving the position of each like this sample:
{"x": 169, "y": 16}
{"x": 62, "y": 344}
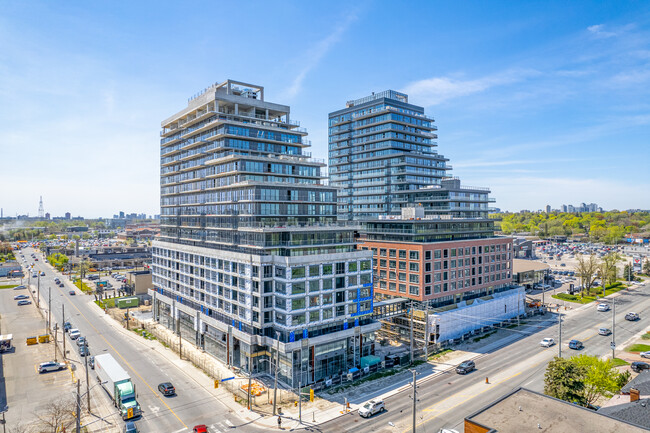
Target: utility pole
{"x": 63, "y": 306}
{"x": 414, "y": 400}
{"x": 78, "y": 406}
{"x": 87, "y": 381}
{"x": 180, "y": 340}
{"x": 426, "y": 333}
{"x": 250, "y": 379}
{"x": 38, "y": 295}
{"x": 49, "y": 309}
{"x": 56, "y": 329}
{"x": 614, "y": 330}
{"x": 300, "y": 397}
{"x": 277, "y": 366}
{"x": 559, "y": 346}
{"x": 411, "y": 344}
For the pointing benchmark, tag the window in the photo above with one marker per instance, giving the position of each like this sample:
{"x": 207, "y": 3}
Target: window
{"x": 298, "y": 288}
{"x": 437, "y": 254}
{"x": 314, "y": 316}
{"x": 365, "y": 265}
{"x": 327, "y": 313}
{"x": 280, "y": 272}
{"x": 298, "y": 319}
{"x": 402, "y": 276}
{"x": 314, "y": 301}
{"x": 414, "y": 267}
{"x": 340, "y": 268}
{"x": 402, "y": 266}
{"x": 340, "y": 282}
{"x": 352, "y": 267}
{"x": 427, "y": 290}
{"x": 402, "y": 288}
{"x": 365, "y": 279}
{"x": 314, "y": 270}
{"x": 427, "y": 267}
{"x": 280, "y": 318}
{"x": 392, "y": 264}
{"x": 427, "y": 255}
{"x": 353, "y": 308}
{"x": 382, "y": 252}
{"x": 427, "y": 278}
{"x": 298, "y": 304}
{"x": 352, "y": 295}
{"x": 392, "y": 287}
{"x": 327, "y": 269}
{"x": 414, "y": 278}
{"x": 392, "y": 253}
{"x": 314, "y": 286}
{"x": 340, "y": 297}
{"x": 414, "y": 290}
{"x": 414, "y": 255}
{"x": 352, "y": 280}
{"x": 327, "y": 284}
{"x": 402, "y": 254}
{"x": 327, "y": 299}
{"x": 382, "y": 263}
{"x": 453, "y": 252}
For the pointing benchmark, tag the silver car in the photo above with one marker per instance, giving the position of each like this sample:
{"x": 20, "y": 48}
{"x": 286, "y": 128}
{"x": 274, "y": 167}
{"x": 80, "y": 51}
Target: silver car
{"x": 50, "y": 366}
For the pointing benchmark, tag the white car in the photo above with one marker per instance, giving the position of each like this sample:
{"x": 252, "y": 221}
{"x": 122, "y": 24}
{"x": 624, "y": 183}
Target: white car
{"x": 74, "y": 333}
{"x": 602, "y": 307}
{"x": 645, "y": 354}
{"x": 547, "y": 342}
{"x": 371, "y": 408}
{"x": 50, "y": 366}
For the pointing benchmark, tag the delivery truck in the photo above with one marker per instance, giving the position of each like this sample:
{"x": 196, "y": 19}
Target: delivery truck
{"x": 117, "y": 382}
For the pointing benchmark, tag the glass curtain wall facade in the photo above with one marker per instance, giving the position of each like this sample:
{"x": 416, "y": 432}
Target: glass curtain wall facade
{"x": 250, "y": 251}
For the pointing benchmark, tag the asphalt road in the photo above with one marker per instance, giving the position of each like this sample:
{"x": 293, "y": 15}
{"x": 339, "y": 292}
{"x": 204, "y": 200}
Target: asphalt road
{"x": 191, "y": 406}
{"x": 445, "y": 400}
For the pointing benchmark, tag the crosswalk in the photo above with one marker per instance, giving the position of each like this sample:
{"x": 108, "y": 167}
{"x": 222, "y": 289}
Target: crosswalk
{"x": 217, "y": 427}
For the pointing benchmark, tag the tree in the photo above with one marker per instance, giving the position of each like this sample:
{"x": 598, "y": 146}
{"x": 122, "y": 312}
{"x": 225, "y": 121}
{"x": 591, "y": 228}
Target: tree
{"x": 564, "y": 380}
{"x": 646, "y": 266}
{"x": 628, "y": 273}
{"x": 601, "y": 378}
{"x": 607, "y": 269}
{"x": 55, "y": 416}
{"x": 84, "y": 265}
{"x": 586, "y": 270}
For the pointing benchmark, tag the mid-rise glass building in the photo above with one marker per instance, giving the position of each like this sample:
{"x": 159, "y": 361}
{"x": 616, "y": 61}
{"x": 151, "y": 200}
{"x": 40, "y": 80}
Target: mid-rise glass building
{"x": 250, "y": 253}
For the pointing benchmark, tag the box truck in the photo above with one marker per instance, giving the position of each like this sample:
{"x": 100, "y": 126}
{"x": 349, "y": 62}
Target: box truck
{"x": 117, "y": 382}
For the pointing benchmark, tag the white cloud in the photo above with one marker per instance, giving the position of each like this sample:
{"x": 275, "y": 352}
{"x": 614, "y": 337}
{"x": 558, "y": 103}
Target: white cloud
{"x": 318, "y": 51}
{"x": 435, "y": 90}
{"x": 599, "y": 31}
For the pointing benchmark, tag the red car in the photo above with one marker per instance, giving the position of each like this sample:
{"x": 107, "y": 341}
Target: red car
{"x": 200, "y": 429}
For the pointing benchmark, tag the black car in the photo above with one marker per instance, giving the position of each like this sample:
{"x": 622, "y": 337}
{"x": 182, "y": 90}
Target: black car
{"x": 67, "y": 326}
{"x": 465, "y": 367}
{"x": 167, "y": 388}
{"x": 83, "y": 351}
{"x": 639, "y": 366}
{"x": 91, "y": 362}
{"x": 576, "y": 345}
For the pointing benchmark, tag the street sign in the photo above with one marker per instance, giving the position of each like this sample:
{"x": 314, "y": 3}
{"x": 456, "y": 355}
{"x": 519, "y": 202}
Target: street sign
{"x": 612, "y": 345}
{"x": 227, "y": 378}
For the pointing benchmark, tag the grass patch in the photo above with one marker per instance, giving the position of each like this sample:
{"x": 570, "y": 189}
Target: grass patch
{"x": 646, "y": 336}
{"x": 484, "y": 336}
{"x": 148, "y": 335}
{"x": 637, "y": 348}
{"x": 618, "y": 362}
{"x": 441, "y": 353}
{"x": 574, "y": 298}
{"x": 83, "y": 286}
{"x": 8, "y": 286}
{"x": 107, "y": 303}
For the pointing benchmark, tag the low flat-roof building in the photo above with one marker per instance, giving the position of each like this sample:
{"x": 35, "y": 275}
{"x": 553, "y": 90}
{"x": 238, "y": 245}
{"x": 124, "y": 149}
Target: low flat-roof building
{"x": 528, "y": 411}
{"x": 528, "y": 272}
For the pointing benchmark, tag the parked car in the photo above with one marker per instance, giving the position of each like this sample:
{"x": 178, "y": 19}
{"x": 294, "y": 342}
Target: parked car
{"x": 67, "y": 326}
{"x": 604, "y": 331}
{"x": 81, "y": 341}
{"x": 18, "y": 297}
{"x": 465, "y": 367}
{"x": 84, "y": 351}
{"x": 50, "y": 366}
{"x": 602, "y": 307}
{"x": 91, "y": 362}
{"x": 74, "y": 333}
{"x": 639, "y": 366}
{"x": 547, "y": 342}
{"x": 20, "y": 287}
{"x": 61, "y": 285}
{"x": 24, "y": 302}
{"x": 632, "y": 316}
{"x": 167, "y": 388}
{"x": 200, "y": 429}
{"x": 576, "y": 345}
{"x": 372, "y": 407}
{"x": 72, "y": 292}
{"x": 645, "y": 354}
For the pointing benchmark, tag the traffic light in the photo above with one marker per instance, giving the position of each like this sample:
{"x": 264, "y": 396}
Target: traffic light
{"x": 311, "y": 394}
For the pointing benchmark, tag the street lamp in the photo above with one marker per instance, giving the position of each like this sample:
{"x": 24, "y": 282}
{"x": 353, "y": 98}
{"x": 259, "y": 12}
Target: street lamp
{"x": 79, "y": 397}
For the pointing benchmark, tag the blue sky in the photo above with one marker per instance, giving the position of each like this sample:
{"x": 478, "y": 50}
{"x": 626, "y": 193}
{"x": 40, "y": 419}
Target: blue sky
{"x": 544, "y": 102}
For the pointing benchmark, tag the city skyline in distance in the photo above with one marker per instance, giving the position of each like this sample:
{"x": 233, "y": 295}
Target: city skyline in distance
{"x": 541, "y": 105}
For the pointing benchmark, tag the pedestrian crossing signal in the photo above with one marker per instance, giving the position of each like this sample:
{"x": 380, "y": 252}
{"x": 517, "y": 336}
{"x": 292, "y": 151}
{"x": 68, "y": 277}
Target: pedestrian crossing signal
{"x": 311, "y": 395}
{"x": 216, "y": 383}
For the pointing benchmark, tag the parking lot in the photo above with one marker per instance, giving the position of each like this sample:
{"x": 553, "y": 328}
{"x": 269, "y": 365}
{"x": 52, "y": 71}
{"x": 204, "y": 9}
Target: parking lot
{"x": 26, "y": 392}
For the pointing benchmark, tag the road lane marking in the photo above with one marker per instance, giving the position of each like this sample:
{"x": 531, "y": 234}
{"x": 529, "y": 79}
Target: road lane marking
{"x": 125, "y": 361}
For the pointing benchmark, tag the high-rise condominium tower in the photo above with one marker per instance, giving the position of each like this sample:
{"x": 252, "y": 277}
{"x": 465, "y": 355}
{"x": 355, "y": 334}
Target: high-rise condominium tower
{"x": 250, "y": 251}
